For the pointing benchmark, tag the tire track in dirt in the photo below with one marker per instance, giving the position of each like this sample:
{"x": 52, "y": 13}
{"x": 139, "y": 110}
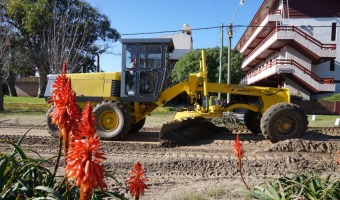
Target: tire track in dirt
{"x": 209, "y": 160}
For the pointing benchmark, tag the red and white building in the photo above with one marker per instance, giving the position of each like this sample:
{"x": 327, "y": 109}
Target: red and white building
{"x": 294, "y": 44}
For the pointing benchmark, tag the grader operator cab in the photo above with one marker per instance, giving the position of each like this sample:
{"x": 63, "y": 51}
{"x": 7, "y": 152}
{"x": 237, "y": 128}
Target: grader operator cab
{"x": 123, "y": 100}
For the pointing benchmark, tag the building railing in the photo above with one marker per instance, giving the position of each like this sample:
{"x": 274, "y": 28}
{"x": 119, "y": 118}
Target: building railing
{"x": 298, "y": 31}
{"x": 303, "y": 71}
{"x": 260, "y": 45}
{"x": 269, "y": 12}
{"x": 307, "y": 37}
{"x": 275, "y": 62}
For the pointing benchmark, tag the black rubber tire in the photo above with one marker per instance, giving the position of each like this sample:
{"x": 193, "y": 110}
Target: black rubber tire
{"x": 284, "y": 121}
{"x": 113, "y": 120}
{"x": 52, "y": 128}
{"x": 252, "y": 120}
{"x": 137, "y": 126}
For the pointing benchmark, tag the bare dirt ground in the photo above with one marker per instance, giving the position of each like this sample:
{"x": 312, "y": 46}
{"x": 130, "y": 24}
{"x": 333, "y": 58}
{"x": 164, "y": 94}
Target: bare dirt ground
{"x": 202, "y": 167}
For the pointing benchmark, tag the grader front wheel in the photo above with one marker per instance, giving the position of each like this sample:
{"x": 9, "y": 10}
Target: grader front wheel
{"x": 252, "y": 121}
{"x": 52, "y": 128}
{"x": 113, "y": 120}
{"x": 137, "y": 126}
{"x": 284, "y": 121}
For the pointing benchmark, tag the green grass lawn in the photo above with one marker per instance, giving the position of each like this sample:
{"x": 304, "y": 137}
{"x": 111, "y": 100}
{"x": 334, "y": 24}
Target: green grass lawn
{"x": 30, "y": 100}
{"x": 24, "y": 104}
{"x": 322, "y": 120}
{"x": 33, "y": 105}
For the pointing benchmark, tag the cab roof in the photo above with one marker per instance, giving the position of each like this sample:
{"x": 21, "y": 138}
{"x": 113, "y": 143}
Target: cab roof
{"x": 167, "y": 41}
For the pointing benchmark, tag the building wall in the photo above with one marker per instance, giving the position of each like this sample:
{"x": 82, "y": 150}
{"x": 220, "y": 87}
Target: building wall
{"x": 296, "y": 89}
{"x": 323, "y": 34}
{"x": 181, "y": 40}
{"x": 313, "y": 8}
{"x": 320, "y": 29}
{"x": 27, "y": 86}
{"x": 315, "y": 17}
{"x": 292, "y": 54}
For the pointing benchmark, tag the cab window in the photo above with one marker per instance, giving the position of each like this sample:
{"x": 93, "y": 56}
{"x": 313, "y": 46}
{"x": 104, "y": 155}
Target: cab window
{"x": 131, "y": 56}
{"x": 150, "y": 56}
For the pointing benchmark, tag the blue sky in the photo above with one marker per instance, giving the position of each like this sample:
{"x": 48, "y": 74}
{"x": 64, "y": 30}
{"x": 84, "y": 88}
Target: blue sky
{"x": 144, "y": 16}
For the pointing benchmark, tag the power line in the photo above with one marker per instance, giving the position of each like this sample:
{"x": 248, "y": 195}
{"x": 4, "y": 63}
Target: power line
{"x": 217, "y": 27}
{"x": 194, "y": 29}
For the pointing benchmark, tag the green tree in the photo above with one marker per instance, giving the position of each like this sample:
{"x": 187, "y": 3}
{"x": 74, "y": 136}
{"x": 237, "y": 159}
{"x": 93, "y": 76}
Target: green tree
{"x": 59, "y": 30}
{"x": 190, "y": 64}
{"x": 4, "y": 48}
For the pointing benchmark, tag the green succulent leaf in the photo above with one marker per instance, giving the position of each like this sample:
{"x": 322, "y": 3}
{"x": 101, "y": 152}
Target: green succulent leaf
{"x": 51, "y": 192}
{"x": 17, "y": 149}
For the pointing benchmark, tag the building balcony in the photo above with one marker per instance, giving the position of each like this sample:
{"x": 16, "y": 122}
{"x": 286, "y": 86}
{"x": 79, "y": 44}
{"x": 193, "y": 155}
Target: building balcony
{"x": 281, "y": 36}
{"x": 265, "y": 26}
{"x": 294, "y": 70}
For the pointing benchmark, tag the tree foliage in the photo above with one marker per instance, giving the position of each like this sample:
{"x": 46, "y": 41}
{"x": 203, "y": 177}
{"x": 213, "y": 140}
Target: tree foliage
{"x": 5, "y": 42}
{"x": 59, "y": 30}
{"x": 190, "y": 64}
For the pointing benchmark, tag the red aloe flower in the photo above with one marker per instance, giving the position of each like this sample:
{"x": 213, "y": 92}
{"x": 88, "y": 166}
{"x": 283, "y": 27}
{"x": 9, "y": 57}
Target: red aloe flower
{"x": 84, "y": 157}
{"x": 137, "y": 181}
{"x": 238, "y": 149}
{"x": 88, "y": 125}
{"x": 66, "y": 113}
{"x": 239, "y": 153}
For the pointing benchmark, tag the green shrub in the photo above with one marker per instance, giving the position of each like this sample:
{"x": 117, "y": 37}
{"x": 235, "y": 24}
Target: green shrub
{"x": 298, "y": 186}
{"x": 22, "y": 177}
{"x": 333, "y": 98}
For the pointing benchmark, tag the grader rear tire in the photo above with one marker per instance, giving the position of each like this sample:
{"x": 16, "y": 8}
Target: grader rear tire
{"x": 284, "y": 121}
{"x": 252, "y": 120}
{"x": 113, "y": 120}
{"x": 137, "y": 126}
{"x": 52, "y": 128}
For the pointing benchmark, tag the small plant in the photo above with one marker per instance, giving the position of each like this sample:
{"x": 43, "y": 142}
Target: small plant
{"x": 239, "y": 153}
{"x": 20, "y": 175}
{"x": 24, "y": 178}
{"x": 298, "y": 186}
{"x": 83, "y": 161}
{"x": 333, "y": 98}
{"x": 137, "y": 181}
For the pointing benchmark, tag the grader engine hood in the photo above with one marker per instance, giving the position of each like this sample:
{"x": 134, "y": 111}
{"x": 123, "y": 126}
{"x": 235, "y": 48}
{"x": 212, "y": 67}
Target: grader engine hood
{"x": 90, "y": 86}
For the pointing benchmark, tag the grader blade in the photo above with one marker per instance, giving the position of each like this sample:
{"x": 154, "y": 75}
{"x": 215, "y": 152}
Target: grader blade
{"x": 183, "y": 132}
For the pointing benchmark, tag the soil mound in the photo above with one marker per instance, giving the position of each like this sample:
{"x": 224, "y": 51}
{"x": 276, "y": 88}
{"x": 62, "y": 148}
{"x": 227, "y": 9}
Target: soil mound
{"x": 300, "y": 145}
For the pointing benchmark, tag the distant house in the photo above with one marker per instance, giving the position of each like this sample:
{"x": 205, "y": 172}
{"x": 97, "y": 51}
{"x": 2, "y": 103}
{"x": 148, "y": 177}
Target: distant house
{"x": 294, "y": 44}
{"x": 182, "y": 42}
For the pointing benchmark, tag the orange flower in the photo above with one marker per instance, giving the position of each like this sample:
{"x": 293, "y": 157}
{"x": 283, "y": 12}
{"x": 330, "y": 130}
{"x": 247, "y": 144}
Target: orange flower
{"x": 239, "y": 153}
{"x": 84, "y": 164}
{"x": 65, "y": 112}
{"x": 88, "y": 126}
{"x": 84, "y": 157}
{"x": 137, "y": 181}
{"x": 238, "y": 149}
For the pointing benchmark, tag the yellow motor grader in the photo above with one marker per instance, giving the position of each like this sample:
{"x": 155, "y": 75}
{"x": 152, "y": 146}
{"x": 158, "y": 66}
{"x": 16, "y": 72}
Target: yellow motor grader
{"x": 123, "y": 100}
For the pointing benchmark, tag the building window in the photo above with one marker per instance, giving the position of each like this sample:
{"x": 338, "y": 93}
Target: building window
{"x": 332, "y": 65}
{"x": 333, "y": 34}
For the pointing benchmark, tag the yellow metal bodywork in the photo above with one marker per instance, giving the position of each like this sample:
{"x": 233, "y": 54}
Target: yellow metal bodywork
{"x": 95, "y": 87}
{"x": 198, "y": 83}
